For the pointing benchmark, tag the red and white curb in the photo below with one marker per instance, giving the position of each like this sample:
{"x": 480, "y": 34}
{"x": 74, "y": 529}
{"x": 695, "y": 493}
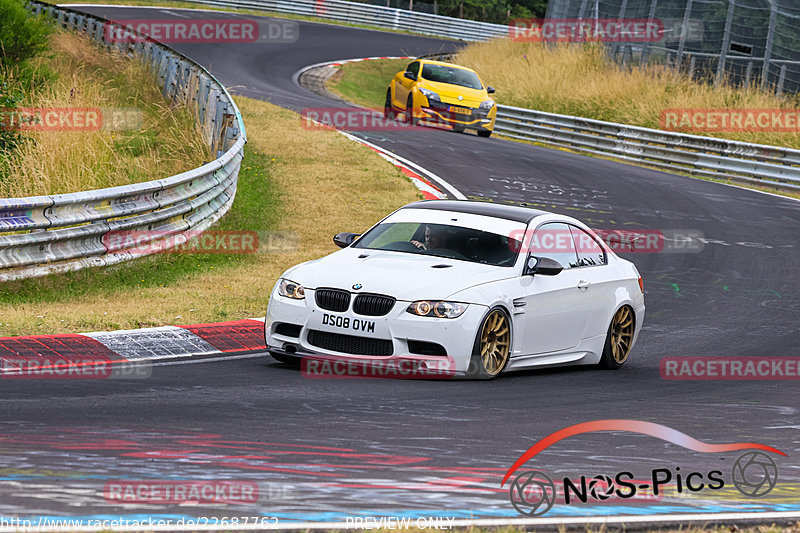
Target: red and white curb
{"x": 148, "y": 344}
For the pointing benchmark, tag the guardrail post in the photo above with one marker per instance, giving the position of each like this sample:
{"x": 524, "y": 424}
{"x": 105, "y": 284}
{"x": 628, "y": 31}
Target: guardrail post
{"x": 687, "y": 13}
{"x": 646, "y": 46}
{"x": 169, "y": 81}
{"x": 726, "y": 43}
{"x": 773, "y": 17}
{"x": 615, "y": 47}
{"x": 748, "y": 73}
{"x": 781, "y": 79}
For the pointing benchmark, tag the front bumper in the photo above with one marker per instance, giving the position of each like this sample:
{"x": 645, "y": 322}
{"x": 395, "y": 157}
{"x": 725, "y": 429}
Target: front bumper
{"x": 439, "y": 113}
{"x": 400, "y": 330}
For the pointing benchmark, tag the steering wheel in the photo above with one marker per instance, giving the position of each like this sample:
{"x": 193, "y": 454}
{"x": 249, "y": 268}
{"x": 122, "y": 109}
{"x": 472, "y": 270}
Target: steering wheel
{"x": 400, "y": 246}
{"x": 445, "y": 252}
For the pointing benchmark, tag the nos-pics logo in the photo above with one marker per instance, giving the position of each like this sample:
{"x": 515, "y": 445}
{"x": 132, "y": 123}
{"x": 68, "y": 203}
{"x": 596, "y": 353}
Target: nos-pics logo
{"x": 533, "y": 493}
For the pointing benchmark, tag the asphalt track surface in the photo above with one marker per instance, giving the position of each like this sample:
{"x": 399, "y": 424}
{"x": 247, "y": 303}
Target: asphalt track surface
{"x": 328, "y": 449}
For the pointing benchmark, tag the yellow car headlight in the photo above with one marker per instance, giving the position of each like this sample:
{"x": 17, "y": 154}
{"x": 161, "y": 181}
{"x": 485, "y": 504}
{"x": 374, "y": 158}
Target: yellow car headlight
{"x": 430, "y": 95}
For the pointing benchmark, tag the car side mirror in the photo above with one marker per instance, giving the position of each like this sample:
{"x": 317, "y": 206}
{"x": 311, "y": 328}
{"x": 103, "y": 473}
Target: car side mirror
{"x": 542, "y": 265}
{"x": 410, "y": 75}
{"x": 343, "y": 240}
{"x": 490, "y": 90}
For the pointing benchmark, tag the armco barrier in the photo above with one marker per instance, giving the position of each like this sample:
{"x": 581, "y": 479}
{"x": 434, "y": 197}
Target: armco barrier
{"x": 45, "y": 234}
{"x": 389, "y": 18}
{"x": 704, "y": 156}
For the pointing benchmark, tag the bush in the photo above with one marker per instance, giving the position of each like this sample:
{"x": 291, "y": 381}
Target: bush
{"x": 9, "y": 99}
{"x": 22, "y": 36}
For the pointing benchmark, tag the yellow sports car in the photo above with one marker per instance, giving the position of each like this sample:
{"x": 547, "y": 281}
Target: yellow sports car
{"x": 443, "y": 93}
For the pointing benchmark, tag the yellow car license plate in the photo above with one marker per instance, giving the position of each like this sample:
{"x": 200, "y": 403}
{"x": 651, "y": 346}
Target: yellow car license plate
{"x": 461, "y": 110}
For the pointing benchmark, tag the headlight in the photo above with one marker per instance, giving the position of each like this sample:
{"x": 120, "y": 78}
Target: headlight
{"x": 486, "y": 105}
{"x": 430, "y": 95}
{"x": 437, "y": 309}
{"x": 290, "y": 289}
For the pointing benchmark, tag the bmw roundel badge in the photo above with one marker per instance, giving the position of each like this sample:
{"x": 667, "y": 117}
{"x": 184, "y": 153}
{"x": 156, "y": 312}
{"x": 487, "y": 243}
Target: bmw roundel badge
{"x": 357, "y": 286}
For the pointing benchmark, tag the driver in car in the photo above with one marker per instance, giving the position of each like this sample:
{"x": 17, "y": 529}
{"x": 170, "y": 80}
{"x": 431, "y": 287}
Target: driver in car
{"x": 435, "y": 237}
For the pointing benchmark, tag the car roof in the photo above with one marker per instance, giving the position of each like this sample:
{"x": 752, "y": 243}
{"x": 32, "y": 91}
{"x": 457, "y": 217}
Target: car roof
{"x": 507, "y": 212}
{"x": 444, "y": 63}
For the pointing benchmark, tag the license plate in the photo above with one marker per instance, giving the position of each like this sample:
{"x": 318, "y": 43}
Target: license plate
{"x": 344, "y": 322}
{"x": 461, "y": 110}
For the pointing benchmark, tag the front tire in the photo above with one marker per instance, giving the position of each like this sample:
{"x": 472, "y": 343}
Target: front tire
{"x": 485, "y": 133}
{"x": 410, "y": 119}
{"x": 492, "y": 346}
{"x": 388, "y": 110}
{"x": 619, "y": 339}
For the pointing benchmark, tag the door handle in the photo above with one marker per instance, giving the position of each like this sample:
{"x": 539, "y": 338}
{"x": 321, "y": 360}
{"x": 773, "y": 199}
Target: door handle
{"x": 583, "y": 284}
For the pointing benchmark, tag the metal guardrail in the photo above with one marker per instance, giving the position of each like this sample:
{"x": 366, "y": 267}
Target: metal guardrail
{"x": 389, "y": 18}
{"x": 677, "y": 152}
{"x": 58, "y": 233}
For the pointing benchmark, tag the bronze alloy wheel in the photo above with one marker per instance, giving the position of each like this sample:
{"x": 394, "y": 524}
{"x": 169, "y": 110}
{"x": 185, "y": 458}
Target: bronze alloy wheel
{"x": 619, "y": 339}
{"x": 495, "y": 342}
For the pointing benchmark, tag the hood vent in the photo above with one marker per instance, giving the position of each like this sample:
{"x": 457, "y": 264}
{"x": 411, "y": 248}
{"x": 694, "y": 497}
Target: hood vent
{"x": 441, "y": 266}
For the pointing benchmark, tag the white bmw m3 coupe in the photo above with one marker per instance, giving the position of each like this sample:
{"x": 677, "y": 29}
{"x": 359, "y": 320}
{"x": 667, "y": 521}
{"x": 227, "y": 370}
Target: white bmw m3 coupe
{"x": 473, "y": 287}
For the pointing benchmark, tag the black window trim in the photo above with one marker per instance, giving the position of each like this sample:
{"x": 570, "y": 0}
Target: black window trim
{"x": 569, "y": 224}
{"x": 418, "y": 63}
{"x": 605, "y": 253}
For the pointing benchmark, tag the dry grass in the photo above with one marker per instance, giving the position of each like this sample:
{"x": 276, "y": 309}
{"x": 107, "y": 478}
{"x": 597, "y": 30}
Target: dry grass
{"x": 580, "y": 80}
{"x": 165, "y": 143}
{"x": 324, "y": 182}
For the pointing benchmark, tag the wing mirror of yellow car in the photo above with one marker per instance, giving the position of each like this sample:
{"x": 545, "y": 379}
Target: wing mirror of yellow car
{"x": 410, "y": 75}
{"x": 489, "y": 90}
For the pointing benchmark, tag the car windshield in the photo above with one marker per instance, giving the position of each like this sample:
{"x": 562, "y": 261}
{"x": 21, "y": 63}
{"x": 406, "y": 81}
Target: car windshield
{"x": 440, "y": 240}
{"x": 451, "y": 75}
